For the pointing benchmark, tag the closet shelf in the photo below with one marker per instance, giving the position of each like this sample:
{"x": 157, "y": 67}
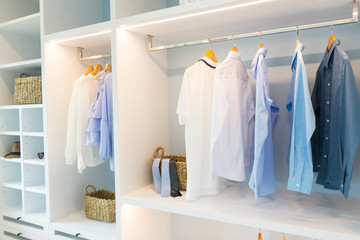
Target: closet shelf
{"x": 91, "y": 229}
{"x": 24, "y": 66}
{"x": 33, "y": 134}
{"x": 174, "y": 26}
{"x": 91, "y": 36}
{"x": 12, "y": 160}
{"x": 35, "y": 161}
{"x": 10, "y": 133}
{"x": 28, "y": 25}
{"x": 21, "y": 106}
{"x": 321, "y": 216}
{"x": 16, "y": 184}
{"x": 36, "y": 189}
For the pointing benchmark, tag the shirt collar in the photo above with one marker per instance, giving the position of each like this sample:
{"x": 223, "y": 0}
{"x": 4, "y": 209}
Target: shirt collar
{"x": 326, "y": 59}
{"x": 254, "y": 63}
{"x": 210, "y": 62}
{"x": 299, "y": 48}
{"x": 234, "y": 55}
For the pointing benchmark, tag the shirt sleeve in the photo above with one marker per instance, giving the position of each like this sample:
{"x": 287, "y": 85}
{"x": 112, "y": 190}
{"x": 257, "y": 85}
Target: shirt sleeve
{"x": 71, "y": 136}
{"x": 184, "y": 102}
{"x": 104, "y": 126}
{"x": 350, "y": 127}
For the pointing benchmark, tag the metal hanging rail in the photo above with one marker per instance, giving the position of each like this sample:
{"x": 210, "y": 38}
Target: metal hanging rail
{"x": 81, "y": 58}
{"x": 354, "y": 19}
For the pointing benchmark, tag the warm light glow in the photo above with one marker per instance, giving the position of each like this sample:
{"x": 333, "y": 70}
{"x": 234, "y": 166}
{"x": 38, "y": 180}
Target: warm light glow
{"x": 198, "y": 14}
{"x": 82, "y": 36}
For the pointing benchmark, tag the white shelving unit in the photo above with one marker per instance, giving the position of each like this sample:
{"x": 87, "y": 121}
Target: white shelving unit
{"x": 43, "y": 198}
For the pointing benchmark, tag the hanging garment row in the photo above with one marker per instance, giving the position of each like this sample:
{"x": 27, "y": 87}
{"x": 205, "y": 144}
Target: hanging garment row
{"x": 89, "y": 141}
{"x": 226, "y": 131}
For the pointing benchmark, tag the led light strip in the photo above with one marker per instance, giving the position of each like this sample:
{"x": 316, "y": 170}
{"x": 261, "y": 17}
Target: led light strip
{"x": 82, "y": 36}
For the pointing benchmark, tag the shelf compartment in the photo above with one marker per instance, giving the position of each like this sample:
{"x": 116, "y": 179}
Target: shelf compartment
{"x": 32, "y": 121}
{"x": 10, "y": 133}
{"x": 11, "y": 201}
{"x": 29, "y": 25}
{"x": 11, "y": 160}
{"x": 35, "y": 161}
{"x": 32, "y": 145}
{"x": 9, "y": 120}
{"x": 88, "y": 228}
{"x": 12, "y": 10}
{"x": 286, "y": 211}
{"x": 35, "y": 203}
{"x": 10, "y": 174}
{"x": 34, "y": 178}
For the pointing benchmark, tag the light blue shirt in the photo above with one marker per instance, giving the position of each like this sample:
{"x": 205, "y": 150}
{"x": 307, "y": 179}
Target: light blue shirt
{"x": 106, "y": 124}
{"x": 302, "y": 127}
{"x": 262, "y": 179}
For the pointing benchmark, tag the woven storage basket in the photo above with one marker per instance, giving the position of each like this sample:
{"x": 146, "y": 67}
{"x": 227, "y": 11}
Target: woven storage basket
{"x": 28, "y": 90}
{"x": 100, "y": 205}
{"x": 180, "y": 166}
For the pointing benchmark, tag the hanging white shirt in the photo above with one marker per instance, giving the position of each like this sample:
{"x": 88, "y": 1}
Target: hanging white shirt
{"x": 232, "y": 119}
{"x": 76, "y": 151}
{"x": 194, "y": 110}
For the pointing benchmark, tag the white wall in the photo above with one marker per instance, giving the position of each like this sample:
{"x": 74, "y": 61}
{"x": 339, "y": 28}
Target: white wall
{"x": 279, "y": 57}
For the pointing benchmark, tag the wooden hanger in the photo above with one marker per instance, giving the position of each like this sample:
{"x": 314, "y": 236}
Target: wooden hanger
{"x": 89, "y": 69}
{"x": 108, "y": 67}
{"x": 98, "y": 68}
{"x": 210, "y": 53}
{"x": 261, "y": 44}
{"x": 259, "y": 235}
{"x": 332, "y": 38}
{"x": 283, "y": 238}
{"x": 234, "y": 48}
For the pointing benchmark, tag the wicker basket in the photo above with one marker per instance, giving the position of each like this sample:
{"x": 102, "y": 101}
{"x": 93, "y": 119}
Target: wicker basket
{"x": 100, "y": 205}
{"x": 28, "y": 90}
{"x": 180, "y": 166}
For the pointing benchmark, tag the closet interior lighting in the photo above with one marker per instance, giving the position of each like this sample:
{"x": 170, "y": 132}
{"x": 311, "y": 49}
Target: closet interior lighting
{"x": 197, "y": 14}
{"x": 82, "y": 36}
{"x": 354, "y": 19}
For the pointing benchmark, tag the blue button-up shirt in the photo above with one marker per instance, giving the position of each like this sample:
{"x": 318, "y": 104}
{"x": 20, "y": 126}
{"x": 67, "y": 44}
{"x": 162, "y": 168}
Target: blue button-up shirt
{"x": 262, "y": 179}
{"x": 336, "y": 101}
{"x": 302, "y": 127}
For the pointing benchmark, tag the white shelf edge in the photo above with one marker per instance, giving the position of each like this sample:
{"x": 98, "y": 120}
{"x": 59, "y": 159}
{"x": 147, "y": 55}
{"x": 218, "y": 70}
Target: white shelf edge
{"x": 33, "y": 134}
{"x": 12, "y": 184}
{"x": 5, "y": 107}
{"x": 22, "y": 64}
{"x": 19, "y": 20}
{"x": 35, "y": 161}
{"x": 214, "y": 210}
{"x": 10, "y": 133}
{"x": 11, "y": 160}
{"x": 36, "y": 189}
{"x": 98, "y": 27}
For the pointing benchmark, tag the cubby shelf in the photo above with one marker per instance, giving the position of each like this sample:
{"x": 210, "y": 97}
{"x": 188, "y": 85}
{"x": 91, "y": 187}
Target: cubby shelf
{"x": 33, "y": 134}
{"x": 35, "y": 161}
{"x": 88, "y": 228}
{"x": 16, "y": 184}
{"x": 36, "y": 189}
{"x": 27, "y": 65}
{"x": 286, "y": 211}
{"x": 11, "y": 160}
{"x": 10, "y": 133}
{"x": 29, "y": 25}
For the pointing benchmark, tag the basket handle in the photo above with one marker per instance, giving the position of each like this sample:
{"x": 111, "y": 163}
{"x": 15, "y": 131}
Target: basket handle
{"x": 157, "y": 151}
{"x": 86, "y": 189}
{"x": 24, "y": 74}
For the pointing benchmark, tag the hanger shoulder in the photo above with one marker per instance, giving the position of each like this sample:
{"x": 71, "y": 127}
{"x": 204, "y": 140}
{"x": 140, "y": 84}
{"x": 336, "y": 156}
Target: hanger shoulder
{"x": 210, "y": 54}
{"x": 332, "y": 38}
{"x": 89, "y": 69}
{"x": 97, "y": 69}
{"x": 108, "y": 67}
{"x": 234, "y": 49}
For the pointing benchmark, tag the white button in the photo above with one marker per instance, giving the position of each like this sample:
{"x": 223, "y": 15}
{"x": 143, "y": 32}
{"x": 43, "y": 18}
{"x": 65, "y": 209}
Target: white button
{"x": 298, "y": 185}
{"x": 318, "y": 165}
{"x": 327, "y": 120}
{"x": 326, "y": 138}
{"x": 328, "y": 84}
{"x": 325, "y": 156}
{"x": 328, "y": 102}
{"x": 342, "y": 185}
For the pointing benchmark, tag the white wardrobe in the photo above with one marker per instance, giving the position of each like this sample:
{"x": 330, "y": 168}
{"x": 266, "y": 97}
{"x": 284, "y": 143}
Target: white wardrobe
{"x": 44, "y": 199}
